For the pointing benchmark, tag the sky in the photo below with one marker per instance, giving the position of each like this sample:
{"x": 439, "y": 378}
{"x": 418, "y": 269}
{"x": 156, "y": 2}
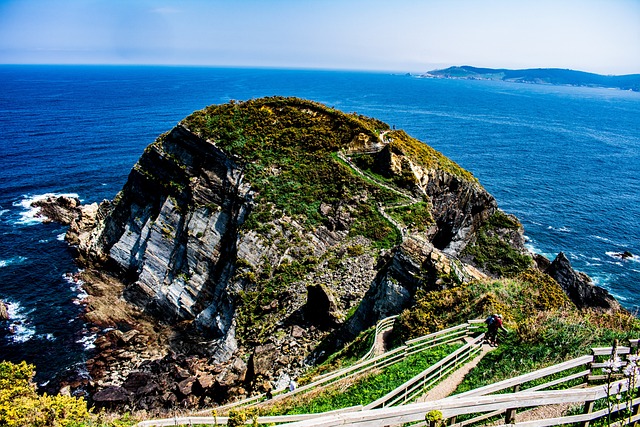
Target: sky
{"x": 601, "y": 36}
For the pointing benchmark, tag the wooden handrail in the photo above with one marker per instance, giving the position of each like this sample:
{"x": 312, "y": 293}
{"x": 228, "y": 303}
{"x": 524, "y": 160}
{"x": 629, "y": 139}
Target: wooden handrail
{"x": 475, "y": 401}
{"x": 408, "y": 385}
{"x": 540, "y": 373}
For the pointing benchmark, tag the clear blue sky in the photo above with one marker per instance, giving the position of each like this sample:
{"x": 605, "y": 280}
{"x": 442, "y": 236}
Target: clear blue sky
{"x": 600, "y": 36}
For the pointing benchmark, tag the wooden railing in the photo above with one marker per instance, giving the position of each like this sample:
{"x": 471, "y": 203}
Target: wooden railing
{"x": 419, "y": 384}
{"x": 483, "y": 403}
{"x": 382, "y": 361}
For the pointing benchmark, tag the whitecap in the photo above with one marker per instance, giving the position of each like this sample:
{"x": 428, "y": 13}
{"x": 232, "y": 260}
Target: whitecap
{"x": 616, "y": 256}
{"x": 60, "y": 237}
{"x": 30, "y": 215}
{"x": 20, "y": 328}
{"x": 12, "y": 261}
{"x": 47, "y": 337}
{"x": 562, "y": 229}
{"x": 607, "y": 240}
{"x": 4, "y": 211}
{"x": 76, "y": 286}
{"x": 88, "y": 341}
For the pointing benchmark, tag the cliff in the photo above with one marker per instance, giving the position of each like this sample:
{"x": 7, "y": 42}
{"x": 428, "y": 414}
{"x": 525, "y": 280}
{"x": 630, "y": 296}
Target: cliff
{"x": 254, "y": 234}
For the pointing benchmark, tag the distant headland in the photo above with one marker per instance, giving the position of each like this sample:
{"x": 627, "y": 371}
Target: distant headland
{"x": 553, "y": 76}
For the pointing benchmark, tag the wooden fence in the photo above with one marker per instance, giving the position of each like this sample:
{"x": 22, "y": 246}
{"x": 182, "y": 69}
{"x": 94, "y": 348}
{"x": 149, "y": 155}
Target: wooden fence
{"x": 389, "y": 358}
{"x": 526, "y": 391}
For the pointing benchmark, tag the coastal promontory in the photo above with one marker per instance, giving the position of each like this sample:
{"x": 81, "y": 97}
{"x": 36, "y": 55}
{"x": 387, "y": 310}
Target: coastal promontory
{"x": 255, "y": 238}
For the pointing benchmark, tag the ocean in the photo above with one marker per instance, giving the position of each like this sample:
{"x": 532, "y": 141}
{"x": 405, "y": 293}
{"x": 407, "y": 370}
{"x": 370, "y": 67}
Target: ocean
{"x": 565, "y": 160}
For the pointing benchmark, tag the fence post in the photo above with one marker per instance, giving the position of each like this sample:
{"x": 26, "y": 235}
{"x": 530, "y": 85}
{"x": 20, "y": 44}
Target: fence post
{"x": 510, "y": 414}
{"x": 588, "y": 407}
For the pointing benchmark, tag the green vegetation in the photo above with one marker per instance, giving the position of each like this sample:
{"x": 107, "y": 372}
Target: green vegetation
{"x": 545, "y": 327}
{"x": 366, "y": 389}
{"x": 287, "y": 148}
{"x": 20, "y": 405}
{"x": 425, "y": 155}
{"x": 343, "y": 358}
{"x": 517, "y": 299}
{"x": 549, "y": 338}
{"x": 492, "y": 249}
{"x": 416, "y": 217}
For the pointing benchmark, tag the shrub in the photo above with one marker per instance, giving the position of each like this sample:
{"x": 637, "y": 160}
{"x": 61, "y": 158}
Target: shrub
{"x": 20, "y": 405}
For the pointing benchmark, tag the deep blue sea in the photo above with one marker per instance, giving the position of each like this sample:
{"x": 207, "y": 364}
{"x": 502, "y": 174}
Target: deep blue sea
{"x": 565, "y": 160}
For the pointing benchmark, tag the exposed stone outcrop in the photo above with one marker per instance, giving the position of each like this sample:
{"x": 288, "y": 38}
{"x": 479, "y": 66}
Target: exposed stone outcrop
{"x": 60, "y": 209}
{"x": 4, "y": 314}
{"x": 579, "y": 287}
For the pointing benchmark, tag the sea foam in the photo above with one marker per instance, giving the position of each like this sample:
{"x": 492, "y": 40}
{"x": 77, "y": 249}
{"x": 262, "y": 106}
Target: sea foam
{"x": 20, "y": 327}
{"x": 12, "y": 261}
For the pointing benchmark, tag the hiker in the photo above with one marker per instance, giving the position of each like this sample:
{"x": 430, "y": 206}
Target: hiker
{"x": 292, "y": 385}
{"x": 269, "y": 393}
{"x": 494, "y": 322}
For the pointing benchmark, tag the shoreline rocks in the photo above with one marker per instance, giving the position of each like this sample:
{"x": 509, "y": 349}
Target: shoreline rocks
{"x": 579, "y": 287}
{"x": 60, "y": 209}
{"x": 4, "y": 313}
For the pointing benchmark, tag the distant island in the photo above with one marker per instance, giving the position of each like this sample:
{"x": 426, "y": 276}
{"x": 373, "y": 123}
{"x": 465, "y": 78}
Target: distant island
{"x": 553, "y": 76}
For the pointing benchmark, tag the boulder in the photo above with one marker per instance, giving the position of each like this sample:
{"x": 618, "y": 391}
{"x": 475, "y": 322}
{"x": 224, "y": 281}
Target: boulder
{"x": 111, "y": 397}
{"x": 321, "y": 308}
{"x": 61, "y": 209}
{"x": 263, "y": 360}
{"x": 137, "y": 380}
{"x": 579, "y": 287}
{"x": 186, "y": 386}
{"x": 4, "y": 313}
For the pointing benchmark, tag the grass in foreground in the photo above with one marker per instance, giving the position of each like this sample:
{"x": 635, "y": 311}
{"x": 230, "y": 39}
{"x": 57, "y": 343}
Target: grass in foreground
{"x": 362, "y": 390}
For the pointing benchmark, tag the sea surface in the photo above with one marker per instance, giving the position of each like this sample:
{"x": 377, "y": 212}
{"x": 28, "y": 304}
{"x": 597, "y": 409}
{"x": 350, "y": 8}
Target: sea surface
{"x": 565, "y": 160}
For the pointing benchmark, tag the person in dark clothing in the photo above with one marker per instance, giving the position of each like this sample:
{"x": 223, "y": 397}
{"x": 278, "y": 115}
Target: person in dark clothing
{"x": 494, "y": 323}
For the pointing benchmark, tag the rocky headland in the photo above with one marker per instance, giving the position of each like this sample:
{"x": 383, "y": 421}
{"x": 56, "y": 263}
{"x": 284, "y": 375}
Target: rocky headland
{"x": 255, "y": 238}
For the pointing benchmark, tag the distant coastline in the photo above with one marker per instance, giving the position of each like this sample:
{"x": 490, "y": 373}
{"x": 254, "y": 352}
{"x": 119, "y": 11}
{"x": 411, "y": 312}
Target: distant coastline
{"x": 549, "y": 76}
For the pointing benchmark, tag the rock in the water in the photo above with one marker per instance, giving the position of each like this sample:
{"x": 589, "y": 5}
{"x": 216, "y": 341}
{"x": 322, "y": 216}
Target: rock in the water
{"x": 579, "y": 287}
{"x": 4, "y": 314}
{"x": 61, "y": 209}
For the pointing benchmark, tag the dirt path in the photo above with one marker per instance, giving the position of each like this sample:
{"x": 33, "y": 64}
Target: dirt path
{"x": 449, "y": 385}
{"x": 381, "y": 341}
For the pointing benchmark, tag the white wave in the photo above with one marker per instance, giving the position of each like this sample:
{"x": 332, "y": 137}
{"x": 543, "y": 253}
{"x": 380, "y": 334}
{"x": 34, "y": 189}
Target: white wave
{"x": 562, "y": 229}
{"x": 60, "y": 237}
{"x": 48, "y": 337}
{"x": 20, "y": 328}
{"x": 4, "y": 211}
{"x": 30, "y": 215}
{"x": 76, "y": 286}
{"x": 44, "y": 241}
{"x": 88, "y": 341}
{"x": 12, "y": 261}
{"x": 618, "y": 256}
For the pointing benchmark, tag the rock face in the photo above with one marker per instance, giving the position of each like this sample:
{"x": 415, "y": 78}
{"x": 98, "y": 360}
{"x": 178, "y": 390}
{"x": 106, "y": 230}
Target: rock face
{"x": 4, "y": 314}
{"x": 60, "y": 209}
{"x": 579, "y": 287}
{"x": 255, "y": 230}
